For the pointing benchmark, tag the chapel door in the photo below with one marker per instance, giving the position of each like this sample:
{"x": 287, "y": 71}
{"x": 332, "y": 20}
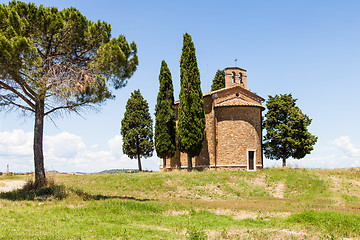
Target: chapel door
{"x": 251, "y": 160}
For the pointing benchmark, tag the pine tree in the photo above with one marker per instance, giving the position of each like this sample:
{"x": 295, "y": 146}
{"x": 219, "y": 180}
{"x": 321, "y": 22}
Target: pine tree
{"x": 165, "y": 116}
{"x": 219, "y": 80}
{"x": 286, "y": 130}
{"x": 191, "y": 116}
{"x": 53, "y": 61}
{"x": 136, "y": 128}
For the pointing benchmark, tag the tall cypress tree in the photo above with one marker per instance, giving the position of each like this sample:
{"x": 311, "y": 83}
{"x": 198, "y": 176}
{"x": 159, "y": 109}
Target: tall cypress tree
{"x": 219, "y": 80}
{"x": 165, "y": 116}
{"x": 136, "y": 128}
{"x": 191, "y": 116}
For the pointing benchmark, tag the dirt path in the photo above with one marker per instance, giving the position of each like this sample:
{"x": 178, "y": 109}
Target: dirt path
{"x": 279, "y": 190}
{"x": 6, "y": 186}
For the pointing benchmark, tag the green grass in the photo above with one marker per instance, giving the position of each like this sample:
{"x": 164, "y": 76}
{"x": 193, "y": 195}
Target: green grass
{"x": 180, "y": 205}
{"x": 339, "y": 224}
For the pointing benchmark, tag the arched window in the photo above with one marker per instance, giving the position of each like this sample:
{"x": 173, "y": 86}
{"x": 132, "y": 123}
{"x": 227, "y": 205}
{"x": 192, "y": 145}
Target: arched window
{"x": 233, "y": 77}
{"x": 240, "y": 78}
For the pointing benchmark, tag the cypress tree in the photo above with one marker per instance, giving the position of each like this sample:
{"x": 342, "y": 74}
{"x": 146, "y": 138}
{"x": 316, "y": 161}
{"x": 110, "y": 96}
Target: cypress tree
{"x": 165, "y": 116}
{"x": 136, "y": 128}
{"x": 286, "y": 130}
{"x": 219, "y": 80}
{"x": 191, "y": 116}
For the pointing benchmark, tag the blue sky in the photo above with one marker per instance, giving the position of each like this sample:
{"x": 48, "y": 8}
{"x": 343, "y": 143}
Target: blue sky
{"x": 307, "y": 48}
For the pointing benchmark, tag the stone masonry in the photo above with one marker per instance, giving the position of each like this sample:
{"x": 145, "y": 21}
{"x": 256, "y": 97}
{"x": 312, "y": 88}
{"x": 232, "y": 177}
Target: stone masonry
{"x": 233, "y": 135}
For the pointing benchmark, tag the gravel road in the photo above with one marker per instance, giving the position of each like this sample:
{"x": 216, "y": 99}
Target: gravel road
{"x": 6, "y": 186}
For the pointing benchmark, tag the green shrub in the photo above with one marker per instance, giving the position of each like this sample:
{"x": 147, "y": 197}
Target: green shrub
{"x": 196, "y": 234}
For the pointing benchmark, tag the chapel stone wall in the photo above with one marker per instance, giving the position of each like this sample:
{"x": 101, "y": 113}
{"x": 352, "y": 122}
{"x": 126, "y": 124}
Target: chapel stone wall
{"x": 238, "y": 130}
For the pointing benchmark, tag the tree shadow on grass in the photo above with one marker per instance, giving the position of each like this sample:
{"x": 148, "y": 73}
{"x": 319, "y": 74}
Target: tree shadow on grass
{"x": 87, "y": 196}
{"x": 55, "y": 191}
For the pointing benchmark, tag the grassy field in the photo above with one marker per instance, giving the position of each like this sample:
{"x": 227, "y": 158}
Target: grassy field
{"x": 215, "y": 204}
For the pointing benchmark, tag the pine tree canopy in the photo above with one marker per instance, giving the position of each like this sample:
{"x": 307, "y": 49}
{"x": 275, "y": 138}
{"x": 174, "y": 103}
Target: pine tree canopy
{"x": 136, "y": 127}
{"x": 219, "y": 80}
{"x": 60, "y": 57}
{"x": 191, "y": 116}
{"x": 286, "y": 130}
{"x": 165, "y": 115}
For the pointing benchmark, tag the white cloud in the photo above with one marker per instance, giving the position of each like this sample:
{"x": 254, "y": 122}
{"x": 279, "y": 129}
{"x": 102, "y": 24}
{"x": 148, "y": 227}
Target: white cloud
{"x": 115, "y": 145}
{"x": 16, "y": 142}
{"x": 317, "y": 160}
{"x": 64, "y": 145}
{"x": 356, "y": 164}
{"x": 345, "y": 145}
{"x": 16, "y": 150}
{"x": 66, "y": 152}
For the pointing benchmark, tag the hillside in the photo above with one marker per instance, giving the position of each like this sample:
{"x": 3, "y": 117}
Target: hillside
{"x": 216, "y": 204}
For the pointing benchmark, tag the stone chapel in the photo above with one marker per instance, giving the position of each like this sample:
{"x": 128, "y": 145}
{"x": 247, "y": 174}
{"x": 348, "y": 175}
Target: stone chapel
{"x": 233, "y": 135}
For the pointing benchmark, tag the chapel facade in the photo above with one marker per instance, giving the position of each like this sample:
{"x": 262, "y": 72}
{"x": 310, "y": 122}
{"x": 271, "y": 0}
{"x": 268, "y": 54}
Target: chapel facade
{"x": 233, "y": 134}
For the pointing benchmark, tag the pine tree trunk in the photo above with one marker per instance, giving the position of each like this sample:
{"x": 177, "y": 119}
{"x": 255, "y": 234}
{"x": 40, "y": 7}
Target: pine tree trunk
{"x": 40, "y": 179}
{"x": 139, "y": 163}
{"x": 189, "y": 163}
{"x": 284, "y": 162}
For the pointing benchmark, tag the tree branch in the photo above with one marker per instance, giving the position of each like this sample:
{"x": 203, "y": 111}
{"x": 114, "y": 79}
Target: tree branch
{"x": 48, "y": 46}
{"x": 39, "y": 51}
{"x": 7, "y": 87}
{"x": 8, "y": 101}
{"x": 71, "y": 107}
{"x": 25, "y": 87}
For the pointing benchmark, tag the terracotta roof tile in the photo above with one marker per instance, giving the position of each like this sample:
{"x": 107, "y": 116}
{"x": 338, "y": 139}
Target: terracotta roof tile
{"x": 240, "y": 88}
{"x": 237, "y": 102}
